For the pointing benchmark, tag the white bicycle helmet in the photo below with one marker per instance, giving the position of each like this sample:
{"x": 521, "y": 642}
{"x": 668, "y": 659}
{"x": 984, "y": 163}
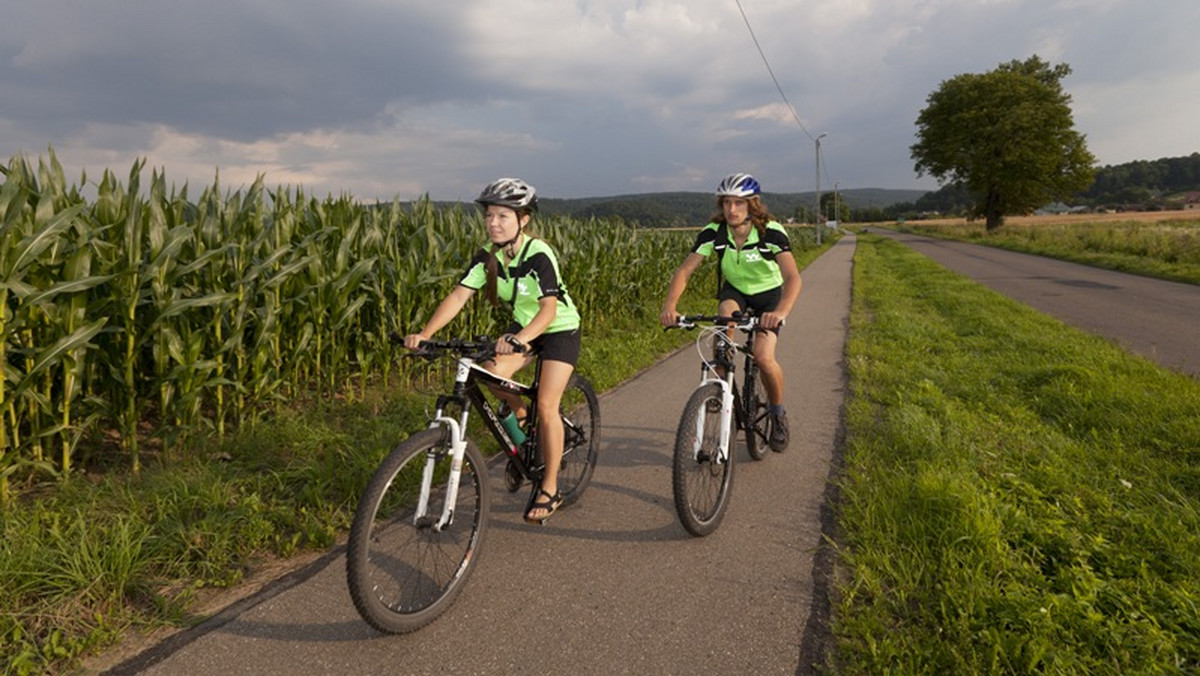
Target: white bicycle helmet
{"x": 738, "y": 185}
{"x": 509, "y": 192}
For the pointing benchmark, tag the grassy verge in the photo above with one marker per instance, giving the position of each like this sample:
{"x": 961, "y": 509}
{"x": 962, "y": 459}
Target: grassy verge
{"x": 1017, "y": 497}
{"x": 1162, "y": 249}
{"x": 88, "y": 560}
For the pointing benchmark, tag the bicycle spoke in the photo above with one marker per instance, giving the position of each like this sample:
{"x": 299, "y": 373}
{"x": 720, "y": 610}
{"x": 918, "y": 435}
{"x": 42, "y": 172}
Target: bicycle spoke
{"x": 701, "y": 476}
{"x": 403, "y": 571}
{"x": 581, "y": 438}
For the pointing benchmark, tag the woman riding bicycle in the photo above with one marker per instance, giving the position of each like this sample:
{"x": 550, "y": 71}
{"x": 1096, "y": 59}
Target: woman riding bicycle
{"x": 523, "y": 271}
{"x": 757, "y": 271}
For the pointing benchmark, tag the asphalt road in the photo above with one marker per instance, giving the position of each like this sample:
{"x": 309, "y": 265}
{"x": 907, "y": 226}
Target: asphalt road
{"x": 1156, "y": 319}
{"x": 612, "y": 584}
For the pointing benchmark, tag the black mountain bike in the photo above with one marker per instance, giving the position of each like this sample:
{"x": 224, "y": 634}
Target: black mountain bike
{"x": 420, "y": 523}
{"x": 702, "y": 468}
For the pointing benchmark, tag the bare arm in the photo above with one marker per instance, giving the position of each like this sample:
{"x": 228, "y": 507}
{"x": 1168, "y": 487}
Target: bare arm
{"x": 448, "y": 309}
{"x": 679, "y": 280}
{"x": 791, "y": 290}
{"x": 547, "y": 311}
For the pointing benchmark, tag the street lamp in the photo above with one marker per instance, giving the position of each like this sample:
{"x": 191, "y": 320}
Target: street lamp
{"x": 837, "y": 209}
{"x": 817, "y": 210}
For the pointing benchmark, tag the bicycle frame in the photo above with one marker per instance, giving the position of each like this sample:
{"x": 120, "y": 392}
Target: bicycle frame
{"x": 734, "y": 411}
{"x": 469, "y": 380}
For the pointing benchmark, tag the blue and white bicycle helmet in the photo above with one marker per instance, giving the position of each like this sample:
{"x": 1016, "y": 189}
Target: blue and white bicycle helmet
{"x": 738, "y": 185}
{"x": 509, "y": 192}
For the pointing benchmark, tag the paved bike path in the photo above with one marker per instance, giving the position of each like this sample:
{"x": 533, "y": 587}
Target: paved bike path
{"x": 1154, "y": 318}
{"x": 612, "y": 584}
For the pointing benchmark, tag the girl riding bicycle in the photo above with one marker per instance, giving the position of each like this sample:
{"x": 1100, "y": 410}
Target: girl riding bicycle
{"x": 523, "y": 271}
{"x": 756, "y": 270}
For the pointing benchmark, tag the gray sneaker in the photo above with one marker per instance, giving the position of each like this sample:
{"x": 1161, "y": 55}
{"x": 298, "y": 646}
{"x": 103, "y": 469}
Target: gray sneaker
{"x": 779, "y": 437}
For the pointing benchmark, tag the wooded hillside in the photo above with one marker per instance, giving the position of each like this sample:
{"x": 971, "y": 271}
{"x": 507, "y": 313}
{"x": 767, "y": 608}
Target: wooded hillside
{"x": 1142, "y": 185}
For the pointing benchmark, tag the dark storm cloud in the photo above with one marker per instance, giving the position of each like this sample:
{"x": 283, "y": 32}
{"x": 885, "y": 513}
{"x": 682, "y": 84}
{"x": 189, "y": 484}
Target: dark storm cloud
{"x": 385, "y": 98}
{"x": 236, "y": 70}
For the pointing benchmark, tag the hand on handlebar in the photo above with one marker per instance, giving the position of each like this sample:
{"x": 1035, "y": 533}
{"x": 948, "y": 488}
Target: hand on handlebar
{"x": 413, "y": 340}
{"x": 510, "y": 344}
{"x": 669, "y": 318}
{"x": 770, "y": 320}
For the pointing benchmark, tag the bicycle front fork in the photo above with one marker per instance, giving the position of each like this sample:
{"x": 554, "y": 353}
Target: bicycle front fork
{"x": 726, "y": 413}
{"x": 458, "y": 447}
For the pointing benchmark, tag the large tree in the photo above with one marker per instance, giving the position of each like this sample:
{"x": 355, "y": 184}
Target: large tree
{"x": 1007, "y": 137}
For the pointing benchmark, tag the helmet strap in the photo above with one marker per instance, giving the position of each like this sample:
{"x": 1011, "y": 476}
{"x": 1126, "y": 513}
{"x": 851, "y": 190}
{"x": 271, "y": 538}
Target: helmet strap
{"x": 509, "y": 247}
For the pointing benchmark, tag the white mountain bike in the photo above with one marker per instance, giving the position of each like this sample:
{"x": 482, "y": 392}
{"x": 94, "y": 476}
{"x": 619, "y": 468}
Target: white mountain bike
{"x": 702, "y": 469}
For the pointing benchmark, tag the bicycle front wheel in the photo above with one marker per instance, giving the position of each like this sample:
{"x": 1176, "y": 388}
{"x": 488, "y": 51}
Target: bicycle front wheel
{"x": 754, "y": 410}
{"x": 581, "y": 438}
{"x": 402, "y": 569}
{"x": 700, "y": 477}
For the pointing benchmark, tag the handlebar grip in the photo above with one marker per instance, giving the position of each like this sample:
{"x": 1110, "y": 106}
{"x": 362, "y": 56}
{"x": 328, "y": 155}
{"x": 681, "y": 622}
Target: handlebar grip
{"x": 518, "y": 346}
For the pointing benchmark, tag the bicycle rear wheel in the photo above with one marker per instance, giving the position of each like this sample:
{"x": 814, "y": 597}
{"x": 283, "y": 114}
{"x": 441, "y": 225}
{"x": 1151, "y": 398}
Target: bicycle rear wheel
{"x": 403, "y": 572}
{"x": 701, "y": 480}
{"x": 754, "y": 408}
{"x": 581, "y": 438}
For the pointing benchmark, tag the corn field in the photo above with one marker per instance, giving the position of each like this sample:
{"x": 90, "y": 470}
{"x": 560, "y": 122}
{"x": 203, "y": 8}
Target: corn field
{"x": 137, "y": 318}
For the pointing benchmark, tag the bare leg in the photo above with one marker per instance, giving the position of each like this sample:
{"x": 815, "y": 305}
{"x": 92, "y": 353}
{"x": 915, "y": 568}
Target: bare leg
{"x": 505, "y": 366}
{"x": 555, "y": 375}
{"x": 725, "y": 309}
{"x": 768, "y": 367}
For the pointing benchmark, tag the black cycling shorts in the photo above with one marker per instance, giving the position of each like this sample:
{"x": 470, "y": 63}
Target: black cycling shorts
{"x": 559, "y": 346}
{"x": 761, "y": 303}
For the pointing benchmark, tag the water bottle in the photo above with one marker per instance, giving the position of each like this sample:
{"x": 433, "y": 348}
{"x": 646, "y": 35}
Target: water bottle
{"x": 510, "y": 422}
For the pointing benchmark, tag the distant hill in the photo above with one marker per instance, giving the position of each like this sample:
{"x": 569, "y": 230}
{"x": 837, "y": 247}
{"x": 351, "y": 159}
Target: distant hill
{"x": 1137, "y": 186}
{"x": 676, "y": 209}
{"x": 1141, "y": 185}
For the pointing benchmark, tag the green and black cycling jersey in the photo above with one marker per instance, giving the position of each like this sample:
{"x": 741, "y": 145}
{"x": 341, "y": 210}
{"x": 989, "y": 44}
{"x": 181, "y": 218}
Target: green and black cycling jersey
{"x": 750, "y": 269}
{"x": 529, "y": 276}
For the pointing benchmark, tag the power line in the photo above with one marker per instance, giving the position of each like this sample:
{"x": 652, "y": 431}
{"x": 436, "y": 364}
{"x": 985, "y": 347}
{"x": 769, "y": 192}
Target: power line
{"x": 772, "y": 72}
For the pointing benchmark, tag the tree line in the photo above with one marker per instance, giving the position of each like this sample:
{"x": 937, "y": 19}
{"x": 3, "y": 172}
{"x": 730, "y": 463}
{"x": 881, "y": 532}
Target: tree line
{"x": 1144, "y": 185}
{"x": 1141, "y": 185}
{"x": 694, "y": 209}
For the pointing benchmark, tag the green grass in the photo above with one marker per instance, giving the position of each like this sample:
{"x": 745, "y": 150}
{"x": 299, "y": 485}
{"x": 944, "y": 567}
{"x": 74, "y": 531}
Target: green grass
{"x": 86, "y": 560}
{"x": 1017, "y": 496}
{"x": 1165, "y": 250}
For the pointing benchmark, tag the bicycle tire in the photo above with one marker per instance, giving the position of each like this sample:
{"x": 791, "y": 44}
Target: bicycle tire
{"x": 756, "y": 421}
{"x": 402, "y": 575}
{"x": 581, "y": 438}
{"x": 701, "y": 485}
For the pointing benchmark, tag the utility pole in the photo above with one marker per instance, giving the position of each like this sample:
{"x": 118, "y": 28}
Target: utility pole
{"x": 837, "y": 208}
{"x": 817, "y": 210}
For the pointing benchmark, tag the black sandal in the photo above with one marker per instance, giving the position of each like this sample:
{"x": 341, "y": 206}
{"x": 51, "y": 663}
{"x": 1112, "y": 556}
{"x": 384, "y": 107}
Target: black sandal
{"x": 551, "y": 506}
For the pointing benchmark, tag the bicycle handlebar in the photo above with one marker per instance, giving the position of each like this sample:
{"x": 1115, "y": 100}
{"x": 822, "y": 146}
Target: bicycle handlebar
{"x": 746, "y": 321}
{"x": 479, "y": 348}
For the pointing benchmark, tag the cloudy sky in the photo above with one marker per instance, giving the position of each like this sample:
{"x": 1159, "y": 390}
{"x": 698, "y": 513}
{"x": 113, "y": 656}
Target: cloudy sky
{"x": 399, "y": 98}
